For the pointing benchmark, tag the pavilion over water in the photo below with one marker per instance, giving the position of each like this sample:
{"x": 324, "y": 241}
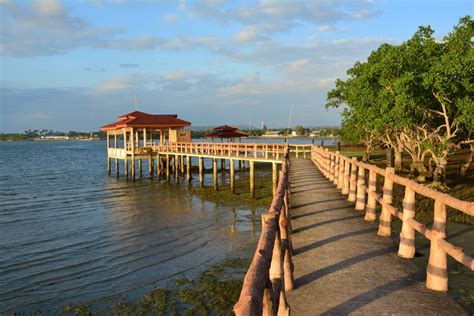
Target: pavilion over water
{"x": 135, "y": 134}
{"x": 140, "y": 126}
{"x": 226, "y": 132}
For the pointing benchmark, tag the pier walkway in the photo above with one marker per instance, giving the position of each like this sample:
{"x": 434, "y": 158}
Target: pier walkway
{"x": 342, "y": 266}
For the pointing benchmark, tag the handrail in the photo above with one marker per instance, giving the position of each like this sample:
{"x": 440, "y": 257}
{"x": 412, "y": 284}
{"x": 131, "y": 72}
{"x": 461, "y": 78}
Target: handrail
{"x": 247, "y": 150}
{"x": 270, "y": 274}
{"x": 300, "y": 148}
{"x": 349, "y": 176}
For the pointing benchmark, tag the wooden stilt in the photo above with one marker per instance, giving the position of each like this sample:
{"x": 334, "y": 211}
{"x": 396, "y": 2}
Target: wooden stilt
{"x": 116, "y": 167}
{"x": 274, "y": 177}
{"x": 125, "y": 167}
{"x": 150, "y": 166}
{"x": 176, "y": 168}
{"x": 222, "y": 164}
{"x": 240, "y": 165}
{"x": 201, "y": 172}
{"x": 158, "y": 165}
{"x": 108, "y": 165}
{"x": 188, "y": 168}
{"x": 214, "y": 167}
{"x": 132, "y": 168}
{"x": 232, "y": 175}
{"x": 140, "y": 166}
{"x": 181, "y": 163}
{"x": 167, "y": 167}
{"x": 252, "y": 178}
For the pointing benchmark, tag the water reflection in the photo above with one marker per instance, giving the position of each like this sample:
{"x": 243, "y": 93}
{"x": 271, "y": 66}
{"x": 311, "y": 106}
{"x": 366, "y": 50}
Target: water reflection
{"x": 70, "y": 234}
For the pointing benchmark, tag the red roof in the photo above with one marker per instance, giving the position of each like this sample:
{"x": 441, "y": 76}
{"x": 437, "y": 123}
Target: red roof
{"x": 226, "y": 131}
{"x": 141, "y": 119}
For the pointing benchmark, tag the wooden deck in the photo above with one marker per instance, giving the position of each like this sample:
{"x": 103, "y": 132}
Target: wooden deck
{"x": 342, "y": 266}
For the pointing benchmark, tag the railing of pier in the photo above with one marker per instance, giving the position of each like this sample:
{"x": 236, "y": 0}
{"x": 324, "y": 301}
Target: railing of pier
{"x": 241, "y": 150}
{"x": 349, "y": 176}
{"x": 301, "y": 150}
{"x": 270, "y": 274}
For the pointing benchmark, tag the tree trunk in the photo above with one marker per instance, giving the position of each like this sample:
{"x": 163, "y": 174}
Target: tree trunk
{"x": 467, "y": 164}
{"x": 418, "y": 168}
{"x": 365, "y": 157}
{"x": 398, "y": 160}
{"x": 390, "y": 157}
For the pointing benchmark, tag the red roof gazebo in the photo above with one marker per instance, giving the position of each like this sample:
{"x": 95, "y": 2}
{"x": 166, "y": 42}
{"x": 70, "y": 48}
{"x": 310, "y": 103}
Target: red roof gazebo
{"x": 139, "y": 119}
{"x": 226, "y": 131}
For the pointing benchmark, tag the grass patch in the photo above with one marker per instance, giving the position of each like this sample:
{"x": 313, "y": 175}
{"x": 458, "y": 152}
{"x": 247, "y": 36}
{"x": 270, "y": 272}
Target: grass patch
{"x": 214, "y": 292}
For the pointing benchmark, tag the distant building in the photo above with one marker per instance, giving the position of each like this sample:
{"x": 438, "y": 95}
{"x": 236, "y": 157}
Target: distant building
{"x": 270, "y": 134}
{"x": 294, "y": 133}
{"x": 315, "y": 133}
{"x": 54, "y": 137}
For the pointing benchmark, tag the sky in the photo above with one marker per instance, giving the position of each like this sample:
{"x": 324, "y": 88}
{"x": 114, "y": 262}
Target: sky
{"x": 77, "y": 65}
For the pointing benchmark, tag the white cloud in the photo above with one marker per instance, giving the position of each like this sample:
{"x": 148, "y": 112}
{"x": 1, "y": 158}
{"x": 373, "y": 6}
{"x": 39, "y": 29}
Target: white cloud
{"x": 247, "y": 34}
{"x": 48, "y": 7}
{"x": 299, "y": 64}
{"x": 326, "y": 28}
{"x": 116, "y": 84}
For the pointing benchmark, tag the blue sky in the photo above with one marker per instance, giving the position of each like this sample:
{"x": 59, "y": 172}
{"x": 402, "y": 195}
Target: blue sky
{"x": 77, "y": 65}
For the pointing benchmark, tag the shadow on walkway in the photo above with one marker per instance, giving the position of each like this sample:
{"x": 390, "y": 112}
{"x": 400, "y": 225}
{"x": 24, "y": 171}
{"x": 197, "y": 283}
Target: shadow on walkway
{"x": 314, "y": 225}
{"x": 310, "y": 277}
{"x": 340, "y": 208}
{"x": 326, "y": 241}
{"x": 363, "y": 299}
{"x": 315, "y": 202}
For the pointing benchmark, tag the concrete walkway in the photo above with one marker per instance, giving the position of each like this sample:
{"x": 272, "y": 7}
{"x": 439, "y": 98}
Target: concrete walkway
{"x": 342, "y": 266}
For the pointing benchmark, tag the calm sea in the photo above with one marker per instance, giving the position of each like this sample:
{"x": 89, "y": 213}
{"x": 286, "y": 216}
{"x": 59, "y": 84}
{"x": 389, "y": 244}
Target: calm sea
{"x": 69, "y": 233}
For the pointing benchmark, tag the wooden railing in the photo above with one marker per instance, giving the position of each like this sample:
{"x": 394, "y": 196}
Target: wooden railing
{"x": 349, "y": 176}
{"x": 301, "y": 150}
{"x": 242, "y": 150}
{"x": 270, "y": 274}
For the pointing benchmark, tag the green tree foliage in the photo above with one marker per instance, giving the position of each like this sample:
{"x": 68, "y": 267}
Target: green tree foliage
{"x": 414, "y": 97}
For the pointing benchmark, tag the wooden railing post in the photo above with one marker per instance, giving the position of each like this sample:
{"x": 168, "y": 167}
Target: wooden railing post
{"x": 407, "y": 235}
{"x": 371, "y": 202}
{"x": 437, "y": 272}
{"x": 353, "y": 181}
{"x": 340, "y": 176}
{"x": 326, "y": 163}
{"x": 345, "y": 185}
{"x": 385, "y": 224}
{"x": 331, "y": 167}
{"x": 287, "y": 264}
{"x": 276, "y": 271}
{"x": 360, "y": 199}
{"x": 336, "y": 168}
